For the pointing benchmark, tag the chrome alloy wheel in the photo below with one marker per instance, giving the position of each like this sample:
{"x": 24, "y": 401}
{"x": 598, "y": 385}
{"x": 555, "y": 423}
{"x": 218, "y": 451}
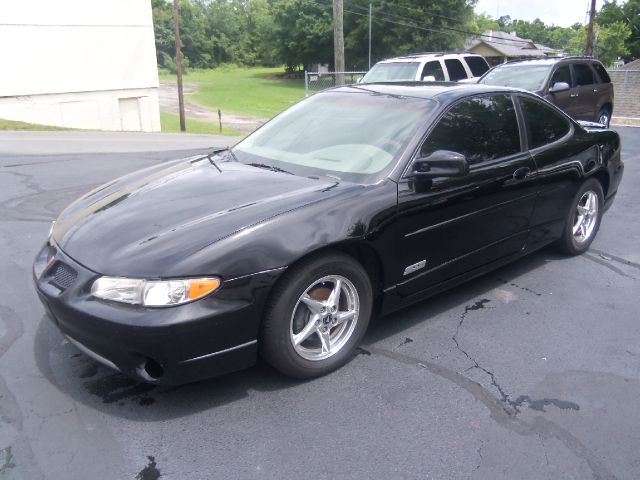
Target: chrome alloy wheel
{"x": 586, "y": 216}
{"x": 324, "y": 317}
{"x": 603, "y": 118}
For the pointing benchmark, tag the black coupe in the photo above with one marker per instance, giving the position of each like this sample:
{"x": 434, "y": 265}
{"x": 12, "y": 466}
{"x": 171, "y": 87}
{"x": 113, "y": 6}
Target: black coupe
{"x": 360, "y": 199}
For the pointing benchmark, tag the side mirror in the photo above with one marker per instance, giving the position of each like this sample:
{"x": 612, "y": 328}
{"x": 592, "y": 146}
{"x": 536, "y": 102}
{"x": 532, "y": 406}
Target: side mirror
{"x": 441, "y": 163}
{"x": 428, "y": 78}
{"x": 559, "y": 87}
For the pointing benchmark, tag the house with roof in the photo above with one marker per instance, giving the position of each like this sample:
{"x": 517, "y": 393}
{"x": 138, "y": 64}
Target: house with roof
{"x": 500, "y": 47}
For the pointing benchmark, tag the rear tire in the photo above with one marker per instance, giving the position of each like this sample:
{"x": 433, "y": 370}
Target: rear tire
{"x": 583, "y": 219}
{"x": 604, "y": 117}
{"x": 316, "y": 316}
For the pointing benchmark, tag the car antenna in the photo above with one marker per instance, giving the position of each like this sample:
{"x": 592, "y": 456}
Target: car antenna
{"x": 213, "y": 163}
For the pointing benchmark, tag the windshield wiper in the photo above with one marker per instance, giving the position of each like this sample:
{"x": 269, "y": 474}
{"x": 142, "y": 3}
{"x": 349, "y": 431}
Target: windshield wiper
{"x": 269, "y": 167}
{"x": 213, "y": 163}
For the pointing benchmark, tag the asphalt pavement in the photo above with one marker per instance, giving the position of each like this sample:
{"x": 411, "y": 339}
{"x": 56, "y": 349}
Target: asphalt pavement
{"x": 530, "y": 372}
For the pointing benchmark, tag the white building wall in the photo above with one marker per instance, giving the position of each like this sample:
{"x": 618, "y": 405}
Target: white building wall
{"x": 79, "y": 63}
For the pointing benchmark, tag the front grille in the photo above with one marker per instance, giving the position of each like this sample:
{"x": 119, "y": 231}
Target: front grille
{"x": 63, "y": 275}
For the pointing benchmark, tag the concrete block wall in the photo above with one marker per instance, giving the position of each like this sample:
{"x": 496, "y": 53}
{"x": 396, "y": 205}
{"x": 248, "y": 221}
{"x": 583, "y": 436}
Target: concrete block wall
{"x": 626, "y": 104}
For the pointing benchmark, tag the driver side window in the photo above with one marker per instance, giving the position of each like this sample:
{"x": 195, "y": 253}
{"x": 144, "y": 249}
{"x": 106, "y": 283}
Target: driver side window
{"x": 563, "y": 74}
{"x": 433, "y": 69}
{"x": 481, "y": 128}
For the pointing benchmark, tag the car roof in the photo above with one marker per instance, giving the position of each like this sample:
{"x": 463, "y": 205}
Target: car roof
{"x": 427, "y": 55}
{"x": 441, "y": 91}
{"x": 546, "y": 61}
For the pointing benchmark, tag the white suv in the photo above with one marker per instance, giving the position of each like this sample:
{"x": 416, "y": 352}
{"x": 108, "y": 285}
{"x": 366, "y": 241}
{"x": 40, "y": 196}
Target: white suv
{"x": 428, "y": 67}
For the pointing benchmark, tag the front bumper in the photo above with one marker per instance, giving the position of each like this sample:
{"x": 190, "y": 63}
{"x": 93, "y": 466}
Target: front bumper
{"x": 210, "y": 336}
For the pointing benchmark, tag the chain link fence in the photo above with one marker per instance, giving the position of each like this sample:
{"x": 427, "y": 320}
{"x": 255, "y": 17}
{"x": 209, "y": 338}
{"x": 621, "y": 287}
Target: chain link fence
{"x": 315, "y": 82}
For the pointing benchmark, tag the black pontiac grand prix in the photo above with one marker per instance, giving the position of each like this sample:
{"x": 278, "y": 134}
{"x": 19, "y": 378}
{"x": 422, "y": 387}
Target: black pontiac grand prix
{"x": 360, "y": 199}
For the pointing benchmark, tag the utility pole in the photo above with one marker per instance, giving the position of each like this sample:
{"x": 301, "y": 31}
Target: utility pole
{"x": 176, "y": 20}
{"x": 370, "y": 15}
{"x": 592, "y": 16}
{"x": 338, "y": 41}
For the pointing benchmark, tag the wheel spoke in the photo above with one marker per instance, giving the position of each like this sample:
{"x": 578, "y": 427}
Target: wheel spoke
{"x": 334, "y": 297}
{"x": 583, "y": 230}
{"x": 589, "y": 203}
{"x": 312, "y": 304}
{"x": 578, "y": 224}
{"x": 343, "y": 317}
{"x": 308, "y": 329}
{"x": 325, "y": 339}
{"x": 583, "y": 210}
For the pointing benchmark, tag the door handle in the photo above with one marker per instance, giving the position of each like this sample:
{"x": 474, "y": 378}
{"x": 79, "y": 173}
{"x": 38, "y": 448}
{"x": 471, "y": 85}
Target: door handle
{"x": 573, "y": 95}
{"x": 521, "y": 173}
{"x": 595, "y": 90}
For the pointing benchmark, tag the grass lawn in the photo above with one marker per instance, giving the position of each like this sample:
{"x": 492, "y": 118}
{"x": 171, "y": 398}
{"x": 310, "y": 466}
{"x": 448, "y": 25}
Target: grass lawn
{"x": 171, "y": 123}
{"x": 252, "y": 91}
{"x": 14, "y": 125}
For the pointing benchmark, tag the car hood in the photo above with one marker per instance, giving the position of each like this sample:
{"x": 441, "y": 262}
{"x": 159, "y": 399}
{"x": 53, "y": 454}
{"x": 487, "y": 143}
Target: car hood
{"x": 143, "y": 224}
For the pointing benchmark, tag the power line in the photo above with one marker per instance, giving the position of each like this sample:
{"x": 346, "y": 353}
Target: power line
{"x": 497, "y": 41}
{"x": 457, "y": 30}
{"x": 413, "y": 11}
{"x": 441, "y": 29}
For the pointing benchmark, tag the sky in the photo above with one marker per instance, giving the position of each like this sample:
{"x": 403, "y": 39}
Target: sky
{"x": 562, "y": 13}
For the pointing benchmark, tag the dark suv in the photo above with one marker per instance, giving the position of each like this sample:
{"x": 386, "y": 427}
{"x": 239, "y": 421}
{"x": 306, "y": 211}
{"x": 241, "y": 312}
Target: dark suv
{"x": 578, "y": 85}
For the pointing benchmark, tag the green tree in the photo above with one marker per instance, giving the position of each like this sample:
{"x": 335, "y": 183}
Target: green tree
{"x": 164, "y": 34}
{"x": 627, "y": 13}
{"x": 303, "y": 33}
{"x": 610, "y": 42}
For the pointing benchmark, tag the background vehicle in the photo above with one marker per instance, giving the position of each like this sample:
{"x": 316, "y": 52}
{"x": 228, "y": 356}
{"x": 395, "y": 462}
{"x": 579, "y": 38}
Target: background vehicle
{"x": 287, "y": 243}
{"x": 436, "y": 66}
{"x": 578, "y": 85}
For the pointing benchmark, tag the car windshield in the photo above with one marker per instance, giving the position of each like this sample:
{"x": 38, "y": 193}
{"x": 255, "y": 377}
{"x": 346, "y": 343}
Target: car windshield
{"x": 527, "y": 77}
{"x": 392, "y": 72}
{"x": 355, "y": 135}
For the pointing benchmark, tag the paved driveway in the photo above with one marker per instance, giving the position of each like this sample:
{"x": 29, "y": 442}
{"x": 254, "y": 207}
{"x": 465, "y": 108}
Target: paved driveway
{"x": 530, "y": 372}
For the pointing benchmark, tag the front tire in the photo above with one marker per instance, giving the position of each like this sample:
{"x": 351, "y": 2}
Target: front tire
{"x": 583, "y": 219}
{"x": 316, "y": 316}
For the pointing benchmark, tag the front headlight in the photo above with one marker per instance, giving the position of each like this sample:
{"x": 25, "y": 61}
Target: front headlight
{"x": 153, "y": 293}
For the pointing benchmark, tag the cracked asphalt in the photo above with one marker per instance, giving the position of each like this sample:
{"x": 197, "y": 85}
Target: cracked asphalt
{"x": 530, "y": 372}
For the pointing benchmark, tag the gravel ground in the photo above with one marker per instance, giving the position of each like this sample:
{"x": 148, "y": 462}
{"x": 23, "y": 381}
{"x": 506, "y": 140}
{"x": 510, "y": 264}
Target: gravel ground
{"x": 168, "y": 98}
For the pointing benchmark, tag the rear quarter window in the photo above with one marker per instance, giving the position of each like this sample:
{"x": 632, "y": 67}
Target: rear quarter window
{"x": 602, "y": 73}
{"x": 544, "y": 124}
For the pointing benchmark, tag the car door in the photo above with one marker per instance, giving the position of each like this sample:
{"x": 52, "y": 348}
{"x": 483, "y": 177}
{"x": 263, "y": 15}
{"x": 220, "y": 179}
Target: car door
{"x": 448, "y": 226}
{"x": 566, "y": 99}
{"x": 585, "y": 101}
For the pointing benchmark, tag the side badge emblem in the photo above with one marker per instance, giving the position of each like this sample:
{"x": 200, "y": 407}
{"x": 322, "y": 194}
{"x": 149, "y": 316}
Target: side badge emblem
{"x": 415, "y": 267}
